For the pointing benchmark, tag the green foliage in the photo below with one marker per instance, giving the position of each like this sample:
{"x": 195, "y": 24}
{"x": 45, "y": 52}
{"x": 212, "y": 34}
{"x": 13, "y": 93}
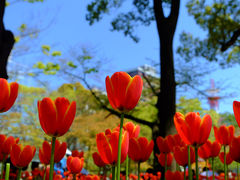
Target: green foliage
{"x": 185, "y": 105}
{"x": 220, "y": 21}
{"x": 22, "y": 28}
{"x": 32, "y": 1}
{"x": 56, "y": 53}
{"x": 46, "y": 49}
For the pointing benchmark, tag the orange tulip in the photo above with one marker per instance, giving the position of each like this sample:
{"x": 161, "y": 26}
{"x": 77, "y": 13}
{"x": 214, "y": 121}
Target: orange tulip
{"x": 192, "y": 129}
{"x": 76, "y": 153}
{"x": 224, "y": 134}
{"x": 22, "y": 156}
{"x": 123, "y": 91}
{"x": 234, "y": 149}
{"x": 181, "y": 155}
{"x": 140, "y": 149}
{"x": 174, "y": 175}
{"x": 162, "y": 144}
{"x": 45, "y": 152}
{"x": 8, "y": 95}
{"x": 75, "y": 164}
{"x": 236, "y": 110}
{"x": 56, "y": 116}
{"x": 6, "y": 144}
{"x": 98, "y": 160}
{"x": 229, "y": 159}
{"x": 161, "y": 159}
{"x": 107, "y": 146}
{"x": 133, "y": 130}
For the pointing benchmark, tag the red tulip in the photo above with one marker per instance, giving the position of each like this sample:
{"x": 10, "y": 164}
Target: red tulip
{"x": 229, "y": 160}
{"x": 174, "y": 140}
{"x": 56, "y": 116}
{"x": 108, "y": 147}
{"x": 123, "y": 91}
{"x": 234, "y": 149}
{"x": 161, "y": 159}
{"x": 140, "y": 149}
{"x": 75, "y": 164}
{"x": 192, "y": 129}
{"x": 224, "y": 134}
{"x": 45, "y": 152}
{"x": 92, "y": 177}
{"x": 236, "y": 110}
{"x": 6, "y": 144}
{"x": 174, "y": 175}
{"x": 98, "y": 160}
{"x": 209, "y": 149}
{"x": 133, "y": 130}
{"x": 181, "y": 155}
{"x": 8, "y": 95}
{"x": 162, "y": 144}
{"x": 76, "y": 153}
{"x": 22, "y": 156}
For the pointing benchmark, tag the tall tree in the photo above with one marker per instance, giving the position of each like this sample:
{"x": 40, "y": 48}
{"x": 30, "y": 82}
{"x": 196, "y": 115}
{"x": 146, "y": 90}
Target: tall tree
{"x": 144, "y": 13}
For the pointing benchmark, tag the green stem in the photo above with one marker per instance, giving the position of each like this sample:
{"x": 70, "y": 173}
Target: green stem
{"x": 113, "y": 173}
{"x": 213, "y": 176}
{"x": 237, "y": 172}
{"x": 3, "y": 166}
{"x": 165, "y": 167}
{"x": 196, "y": 157}
{"x": 74, "y": 176}
{"x": 52, "y": 159}
{"x": 19, "y": 173}
{"x": 189, "y": 164}
{"x": 127, "y": 167}
{"x": 184, "y": 172}
{"x": 138, "y": 170}
{"x": 227, "y": 172}
{"x": 7, "y": 171}
{"x": 119, "y": 147}
{"x": 206, "y": 169}
{"x": 45, "y": 172}
{"x": 225, "y": 169}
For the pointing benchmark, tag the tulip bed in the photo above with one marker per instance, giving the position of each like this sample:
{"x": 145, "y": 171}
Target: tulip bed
{"x": 117, "y": 145}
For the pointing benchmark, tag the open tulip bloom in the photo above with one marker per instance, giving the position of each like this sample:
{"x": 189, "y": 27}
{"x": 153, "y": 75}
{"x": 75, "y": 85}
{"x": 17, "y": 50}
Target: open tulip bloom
{"x": 193, "y": 130}
{"x": 123, "y": 93}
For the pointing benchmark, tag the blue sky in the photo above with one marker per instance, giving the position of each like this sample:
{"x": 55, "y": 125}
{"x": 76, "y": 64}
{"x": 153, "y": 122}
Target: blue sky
{"x": 67, "y": 28}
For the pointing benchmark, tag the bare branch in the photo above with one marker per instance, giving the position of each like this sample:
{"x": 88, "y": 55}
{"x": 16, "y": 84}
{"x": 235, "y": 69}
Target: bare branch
{"x": 233, "y": 39}
{"x": 150, "y": 85}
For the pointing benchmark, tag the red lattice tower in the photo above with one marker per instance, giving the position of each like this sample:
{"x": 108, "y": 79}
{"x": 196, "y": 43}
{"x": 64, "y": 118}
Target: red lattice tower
{"x": 213, "y": 98}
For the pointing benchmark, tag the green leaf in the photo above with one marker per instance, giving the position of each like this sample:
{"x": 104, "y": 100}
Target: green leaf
{"x": 70, "y": 64}
{"x": 46, "y": 49}
{"x": 17, "y": 39}
{"x": 23, "y": 27}
{"x": 39, "y": 65}
{"x": 56, "y": 53}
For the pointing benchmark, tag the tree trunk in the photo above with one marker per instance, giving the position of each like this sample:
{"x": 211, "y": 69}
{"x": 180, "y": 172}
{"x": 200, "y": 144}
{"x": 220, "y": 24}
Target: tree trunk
{"x": 6, "y": 43}
{"x": 166, "y": 103}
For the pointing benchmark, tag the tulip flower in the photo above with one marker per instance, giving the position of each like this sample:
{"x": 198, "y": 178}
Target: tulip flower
{"x": 8, "y": 95}
{"x": 234, "y": 149}
{"x": 236, "y": 110}
{"x": 123, "y": 91}
{"x": 55, "y": 118}
{"x": 224, "y": 135}
{"x": 6, "y": 144}
{"x": 75, "y": 164}
{"x": 140, "y": 150}
{"x": 181, "y": 155}
{"x": 229, "y": 159}
{"x": 21, "y": 156}
{"x": 76, "y": 153}
{"x": 98, "y": 160}
{"x": 165, "y": 159}
{"x": 45, "y": 152}
{"x": 133, "y": 132}
{"x": 162, "y": 144}
{"x": 174, "y": 140}
{"x": 174, "y": 175}
{"x": 108, "y": 147}
{"x": 193, "y": 130}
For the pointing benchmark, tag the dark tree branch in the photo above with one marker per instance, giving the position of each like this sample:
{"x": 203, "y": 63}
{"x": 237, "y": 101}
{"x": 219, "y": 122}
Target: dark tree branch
{"x": 158, "y": 9}
{"x": 150, "y": 85}
{"x": 233, "y": 39}
{"x": 104, "y": 106}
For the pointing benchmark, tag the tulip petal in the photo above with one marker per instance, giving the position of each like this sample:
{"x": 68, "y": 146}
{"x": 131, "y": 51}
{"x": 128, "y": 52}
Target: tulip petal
{"x": 60, "y": 152}
{"x": 104, "y": 148}
{"x": 205, "y": 129}
{"x": 133, "y": 93}
{"x": 110, "y": 92}
{"x": 236, "y": 110}
{"x": 134, "y": 151}
{"x": 13, "y": 95}
{"x": 5, "y": 93}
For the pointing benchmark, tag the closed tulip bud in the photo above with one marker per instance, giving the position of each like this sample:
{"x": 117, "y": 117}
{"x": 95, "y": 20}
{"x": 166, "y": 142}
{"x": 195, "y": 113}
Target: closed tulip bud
{"x": 229, "y": 159}
{"x": 224, "y": 134}
{"x": 162, "y": 156}
{"x": 6, "y": 144}
{"x": 133, "y": 130}
{"x": 162, "y": 144}
{"x": 76, "y": 153}
{"x": 234, "y": 149}
{"x": 181, "y": 155}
